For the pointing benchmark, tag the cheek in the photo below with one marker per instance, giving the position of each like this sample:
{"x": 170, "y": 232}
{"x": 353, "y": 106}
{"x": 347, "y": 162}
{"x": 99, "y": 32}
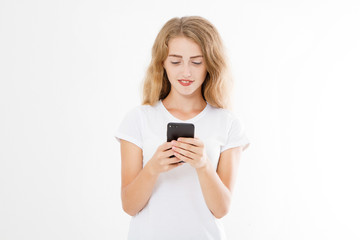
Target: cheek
{"x": 201, "y": 73}
{"x": 170, "y": 72}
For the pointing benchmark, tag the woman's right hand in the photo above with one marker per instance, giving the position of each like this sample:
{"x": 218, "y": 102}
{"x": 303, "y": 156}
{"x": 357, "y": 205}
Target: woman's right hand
{"x": 162, "y": 161}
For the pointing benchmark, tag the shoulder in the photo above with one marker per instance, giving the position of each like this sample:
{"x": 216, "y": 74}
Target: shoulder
{"x": 222, "y": 113}
{"x": 232, "y": 126}
{"x": 226, "y": 120}
{"x": 142, "y": 110}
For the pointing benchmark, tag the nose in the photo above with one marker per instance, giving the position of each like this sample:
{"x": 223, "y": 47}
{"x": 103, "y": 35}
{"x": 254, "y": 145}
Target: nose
{"x": 186, "y": 71}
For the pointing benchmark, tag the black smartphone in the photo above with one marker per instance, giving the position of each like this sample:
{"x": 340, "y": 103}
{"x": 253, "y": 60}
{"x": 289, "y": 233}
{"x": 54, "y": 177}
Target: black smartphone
{"x": 176, "y": 130}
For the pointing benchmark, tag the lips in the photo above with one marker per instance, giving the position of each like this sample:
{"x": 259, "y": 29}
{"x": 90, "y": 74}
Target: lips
{"x": 185, "y": 82}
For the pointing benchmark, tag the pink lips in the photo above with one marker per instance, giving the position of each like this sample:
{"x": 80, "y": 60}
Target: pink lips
{"x": 185, "y": 82}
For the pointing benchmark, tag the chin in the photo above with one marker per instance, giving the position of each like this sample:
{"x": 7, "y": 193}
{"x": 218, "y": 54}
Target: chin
{"x": 187, "y": 93}
{"x": 191, "y": 91}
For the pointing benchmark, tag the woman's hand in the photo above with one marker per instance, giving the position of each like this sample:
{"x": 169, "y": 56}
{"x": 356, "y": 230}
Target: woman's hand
{"x": 162, "y": 161}
{"x": 190, "y": 150}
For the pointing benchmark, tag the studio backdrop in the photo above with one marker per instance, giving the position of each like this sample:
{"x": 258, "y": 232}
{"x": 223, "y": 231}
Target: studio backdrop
{"x": 71, "y": 70}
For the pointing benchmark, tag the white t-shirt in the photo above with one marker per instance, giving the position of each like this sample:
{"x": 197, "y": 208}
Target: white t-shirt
{"x": 177, "y": 208}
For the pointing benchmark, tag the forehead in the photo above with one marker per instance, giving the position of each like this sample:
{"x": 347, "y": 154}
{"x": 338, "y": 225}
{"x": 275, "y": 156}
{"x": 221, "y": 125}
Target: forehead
{"x": 184, "y": 46}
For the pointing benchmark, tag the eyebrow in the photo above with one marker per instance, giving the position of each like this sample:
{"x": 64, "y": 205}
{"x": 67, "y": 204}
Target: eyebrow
{"x": 179, "y": 56}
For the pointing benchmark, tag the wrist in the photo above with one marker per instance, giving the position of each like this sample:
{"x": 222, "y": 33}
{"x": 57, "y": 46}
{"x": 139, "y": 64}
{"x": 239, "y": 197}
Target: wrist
{"x": 204, "y": 168}
{"x": 149, "y": 170}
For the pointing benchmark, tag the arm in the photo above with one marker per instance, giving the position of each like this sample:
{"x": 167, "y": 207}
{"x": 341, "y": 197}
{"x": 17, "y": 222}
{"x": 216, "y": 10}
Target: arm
{"x": 137, "y": 183}
{"x": 216, "y": 185}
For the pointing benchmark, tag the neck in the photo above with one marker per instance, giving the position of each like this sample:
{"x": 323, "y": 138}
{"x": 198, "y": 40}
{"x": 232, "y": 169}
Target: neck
{"x": 185, "y": 103}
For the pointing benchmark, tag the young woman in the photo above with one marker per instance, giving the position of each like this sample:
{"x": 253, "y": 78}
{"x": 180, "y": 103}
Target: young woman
{"x": 181, "y": 197}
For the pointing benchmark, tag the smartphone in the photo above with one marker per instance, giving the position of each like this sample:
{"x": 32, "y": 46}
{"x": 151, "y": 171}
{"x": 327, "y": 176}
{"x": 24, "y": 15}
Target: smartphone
{"x": 176, "y": 130}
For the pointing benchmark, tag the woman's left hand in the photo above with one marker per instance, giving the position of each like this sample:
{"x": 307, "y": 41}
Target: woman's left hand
{"x": 190, "y": 150}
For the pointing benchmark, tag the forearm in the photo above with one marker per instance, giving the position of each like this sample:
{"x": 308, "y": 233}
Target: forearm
{"x": 217, "y": 196}
{"x": 136, "y": 194}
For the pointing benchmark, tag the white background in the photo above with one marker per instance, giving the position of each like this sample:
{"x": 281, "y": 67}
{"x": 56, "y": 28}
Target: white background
{"x": 70, "y": 70}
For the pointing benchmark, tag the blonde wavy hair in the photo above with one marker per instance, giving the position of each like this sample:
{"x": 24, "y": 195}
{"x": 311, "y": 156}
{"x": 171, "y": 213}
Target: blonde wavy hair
{"x": 216, "y": 87}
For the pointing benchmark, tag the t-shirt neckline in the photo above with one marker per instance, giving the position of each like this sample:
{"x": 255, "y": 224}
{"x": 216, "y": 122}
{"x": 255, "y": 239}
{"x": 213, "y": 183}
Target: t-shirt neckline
{"x": 191, "y": 120}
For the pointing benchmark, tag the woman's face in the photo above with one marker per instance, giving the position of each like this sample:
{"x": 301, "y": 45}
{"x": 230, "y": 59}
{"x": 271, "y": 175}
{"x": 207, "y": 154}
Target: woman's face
{"x": 185, "y": 66}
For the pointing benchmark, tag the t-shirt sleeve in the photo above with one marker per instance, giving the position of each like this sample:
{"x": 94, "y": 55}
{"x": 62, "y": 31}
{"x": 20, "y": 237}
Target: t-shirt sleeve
{"x": 236, "y": 136}
{"x": 130, "y": 128}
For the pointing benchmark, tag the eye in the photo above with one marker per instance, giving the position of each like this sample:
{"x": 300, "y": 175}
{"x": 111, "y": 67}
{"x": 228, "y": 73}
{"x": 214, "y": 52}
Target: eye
{"x": 175, "y": 63}
{"x": 197, "y": 63}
